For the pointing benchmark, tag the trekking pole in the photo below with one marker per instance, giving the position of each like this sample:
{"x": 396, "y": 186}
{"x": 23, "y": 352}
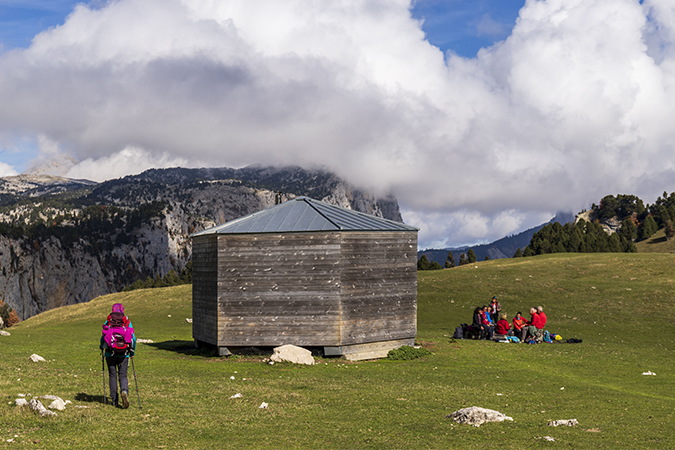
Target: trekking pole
{"x": 136, "y": 381}
{"x": 103, "y": 373}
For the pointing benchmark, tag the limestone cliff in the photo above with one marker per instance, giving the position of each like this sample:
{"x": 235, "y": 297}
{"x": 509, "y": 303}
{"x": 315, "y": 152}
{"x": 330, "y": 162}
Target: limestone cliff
{"x": 68, "y": 241}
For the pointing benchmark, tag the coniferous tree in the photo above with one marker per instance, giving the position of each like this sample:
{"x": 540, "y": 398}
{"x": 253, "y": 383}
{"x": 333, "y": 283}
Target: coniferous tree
{"x": 518, "y": 254}
{"x": 528, "y": 251}
{"x": 462, "y": 259}
{"x": 628, "y": 229}
{"x": 487, "y": 258}
{"x": 449, "y": 261}
{"x": 670, "y": 230}
{"x": 423, "y": 263}
{"x": 471, "y": 256}
{"x": 647, "y": 229}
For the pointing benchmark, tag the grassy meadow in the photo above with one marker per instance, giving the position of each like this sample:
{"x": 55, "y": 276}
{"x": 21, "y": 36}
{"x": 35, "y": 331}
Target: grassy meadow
{"x": 621, "y": 305}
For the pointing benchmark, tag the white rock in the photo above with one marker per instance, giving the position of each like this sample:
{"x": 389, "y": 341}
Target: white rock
{"x": 145, "y": 341}
{"x": 188, "y": 320}
{"x": 649, "y": 372}
{"x": 36, "y": 358}
{"x": 20, "y": 402}
{"x": 567, "y": 422}
{"x": 232, "y": 377}
{"x": 476, "y": 416}
{"x": 51, "y": 397}
{"x": 59, "y": 405}
{"x": 38, "y": 407}
{"x": 4, "y": 333}
{"x": 293, "y": 354}
{"x": 263, "y": 405}
{"x": 237, "y": 395}
{"x": 549, "y": 438}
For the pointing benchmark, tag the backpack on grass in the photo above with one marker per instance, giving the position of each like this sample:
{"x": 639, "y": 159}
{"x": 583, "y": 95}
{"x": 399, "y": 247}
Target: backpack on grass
{"x": 459, "y": 333}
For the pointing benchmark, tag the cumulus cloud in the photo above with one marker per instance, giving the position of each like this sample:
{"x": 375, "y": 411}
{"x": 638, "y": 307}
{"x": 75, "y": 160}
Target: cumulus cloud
{"x": 576, "y": 103}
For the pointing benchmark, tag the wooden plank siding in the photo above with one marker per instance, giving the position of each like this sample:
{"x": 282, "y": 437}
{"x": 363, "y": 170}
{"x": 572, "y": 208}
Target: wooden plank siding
{"x": 309, "y": 289}
{"x": 276, "y": 289}
{"x": 205, "y": 289}
{"x": 379, "y": 286}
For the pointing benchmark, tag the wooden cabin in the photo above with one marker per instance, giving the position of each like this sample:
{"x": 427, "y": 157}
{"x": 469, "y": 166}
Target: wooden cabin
{"x": 306, "y": 273}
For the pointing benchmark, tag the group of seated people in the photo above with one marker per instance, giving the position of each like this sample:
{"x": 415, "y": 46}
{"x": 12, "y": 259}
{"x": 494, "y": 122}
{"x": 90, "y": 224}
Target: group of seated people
{"x": 490, "y": 323}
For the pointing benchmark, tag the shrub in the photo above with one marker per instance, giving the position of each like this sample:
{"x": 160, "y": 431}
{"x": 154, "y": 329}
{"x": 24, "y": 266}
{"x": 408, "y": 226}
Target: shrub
{"x": 407, "y": 353}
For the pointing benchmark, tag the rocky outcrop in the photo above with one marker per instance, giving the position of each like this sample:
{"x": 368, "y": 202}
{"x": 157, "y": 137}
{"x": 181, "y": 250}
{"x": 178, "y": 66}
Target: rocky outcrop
{"x": 48, "y": 267}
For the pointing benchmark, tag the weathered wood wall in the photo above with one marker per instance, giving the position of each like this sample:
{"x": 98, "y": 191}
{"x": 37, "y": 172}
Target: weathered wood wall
{"x": 308, "y": 289}
{"x": 205, "y": 289}
{"x": 277, "y": 289}
{"x": 379, "y": 286}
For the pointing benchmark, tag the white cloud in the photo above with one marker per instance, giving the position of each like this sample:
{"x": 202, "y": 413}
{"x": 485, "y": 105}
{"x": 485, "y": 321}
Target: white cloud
{"x": 576, "y": 103}
{"x": 6, "y": 170}
{"x": 130, "y": 161}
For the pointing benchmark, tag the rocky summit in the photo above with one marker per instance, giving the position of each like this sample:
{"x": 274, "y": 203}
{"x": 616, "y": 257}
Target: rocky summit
{"x": 68, "y": 241}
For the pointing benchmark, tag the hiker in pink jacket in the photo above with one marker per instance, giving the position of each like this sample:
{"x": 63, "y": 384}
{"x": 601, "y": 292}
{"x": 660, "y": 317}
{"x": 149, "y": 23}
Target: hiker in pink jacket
{"x": 119, "y": 342}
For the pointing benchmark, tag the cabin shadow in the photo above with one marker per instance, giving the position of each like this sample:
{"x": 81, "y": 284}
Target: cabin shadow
{"x": 176, "y": 346}
{"x": 84, "y": 397}
{"x": 190, "y": 348}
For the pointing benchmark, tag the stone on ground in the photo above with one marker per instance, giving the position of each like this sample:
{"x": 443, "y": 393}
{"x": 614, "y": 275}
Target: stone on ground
{"x": 476, "y": 416}
{"x": 567, "y": 422}
{"x": 4, "y": 333}
{"x": 36, "y": 358}
{"x": 293, "y": 354}
{"x": 57, "y": 404}
{"x": 38, "y": 407}
{"x": 20, "y": 402}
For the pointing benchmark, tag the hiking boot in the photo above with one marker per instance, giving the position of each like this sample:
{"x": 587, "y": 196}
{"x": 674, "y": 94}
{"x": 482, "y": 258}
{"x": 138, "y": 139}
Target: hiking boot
{"x": 125, "y": 400}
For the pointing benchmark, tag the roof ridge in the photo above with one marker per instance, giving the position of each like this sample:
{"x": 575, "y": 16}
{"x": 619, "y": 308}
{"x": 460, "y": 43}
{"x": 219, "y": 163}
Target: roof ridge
{"x": 310, "y": 202}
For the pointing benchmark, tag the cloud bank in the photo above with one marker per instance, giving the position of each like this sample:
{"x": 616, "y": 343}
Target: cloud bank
{"x": 575, "y": 104}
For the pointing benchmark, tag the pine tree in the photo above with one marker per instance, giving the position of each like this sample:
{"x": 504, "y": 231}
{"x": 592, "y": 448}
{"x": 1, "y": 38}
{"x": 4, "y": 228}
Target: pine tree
{"x": 471, "y": 256}
{"x": 528, "y": 251}
{"x": 518, "y": 253}
{"x": 462, "y": 259}
{"x": 670, "y": 230}
{"x": 647, "y": 229}
{"x": 449, "y": 261}
{"x": 487, "y": 258}
{"x": 423, "y": 263}
{"x": 628, "y": 229}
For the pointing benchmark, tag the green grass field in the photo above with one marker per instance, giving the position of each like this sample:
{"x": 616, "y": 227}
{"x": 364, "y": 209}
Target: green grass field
{"x": 621, "y": 305}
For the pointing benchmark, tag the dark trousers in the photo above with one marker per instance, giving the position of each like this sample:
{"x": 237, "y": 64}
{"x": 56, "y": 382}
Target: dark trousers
{"x": 117, "y": 366}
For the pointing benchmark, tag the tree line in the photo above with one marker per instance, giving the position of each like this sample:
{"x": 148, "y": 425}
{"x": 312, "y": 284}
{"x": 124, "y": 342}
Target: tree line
{"x": 465, "y": 258}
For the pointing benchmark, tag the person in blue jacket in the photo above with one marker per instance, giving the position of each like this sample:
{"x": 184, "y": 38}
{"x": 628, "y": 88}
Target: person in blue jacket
{"x": 118, "y": 364}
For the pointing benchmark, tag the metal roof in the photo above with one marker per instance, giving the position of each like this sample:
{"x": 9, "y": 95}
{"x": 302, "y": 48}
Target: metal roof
{"x": 303, "y": 214}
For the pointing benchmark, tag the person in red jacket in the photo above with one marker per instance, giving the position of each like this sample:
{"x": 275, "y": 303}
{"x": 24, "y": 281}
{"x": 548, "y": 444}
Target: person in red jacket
{"x": 542, "y": 316}
{"x": 518, "y": 324}
{"x": 503, "y": 328}
{"x": 531, "y": 328}
{"x": 537, "y": 324}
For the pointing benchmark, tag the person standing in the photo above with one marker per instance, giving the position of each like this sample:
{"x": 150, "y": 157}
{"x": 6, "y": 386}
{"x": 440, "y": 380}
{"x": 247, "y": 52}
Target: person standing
{"x": 496, "y": 309}
{"x": 119, "y": 343}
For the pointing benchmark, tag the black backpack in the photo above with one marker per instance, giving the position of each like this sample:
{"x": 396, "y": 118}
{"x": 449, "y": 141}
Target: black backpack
{"x": 459, "y": 333}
